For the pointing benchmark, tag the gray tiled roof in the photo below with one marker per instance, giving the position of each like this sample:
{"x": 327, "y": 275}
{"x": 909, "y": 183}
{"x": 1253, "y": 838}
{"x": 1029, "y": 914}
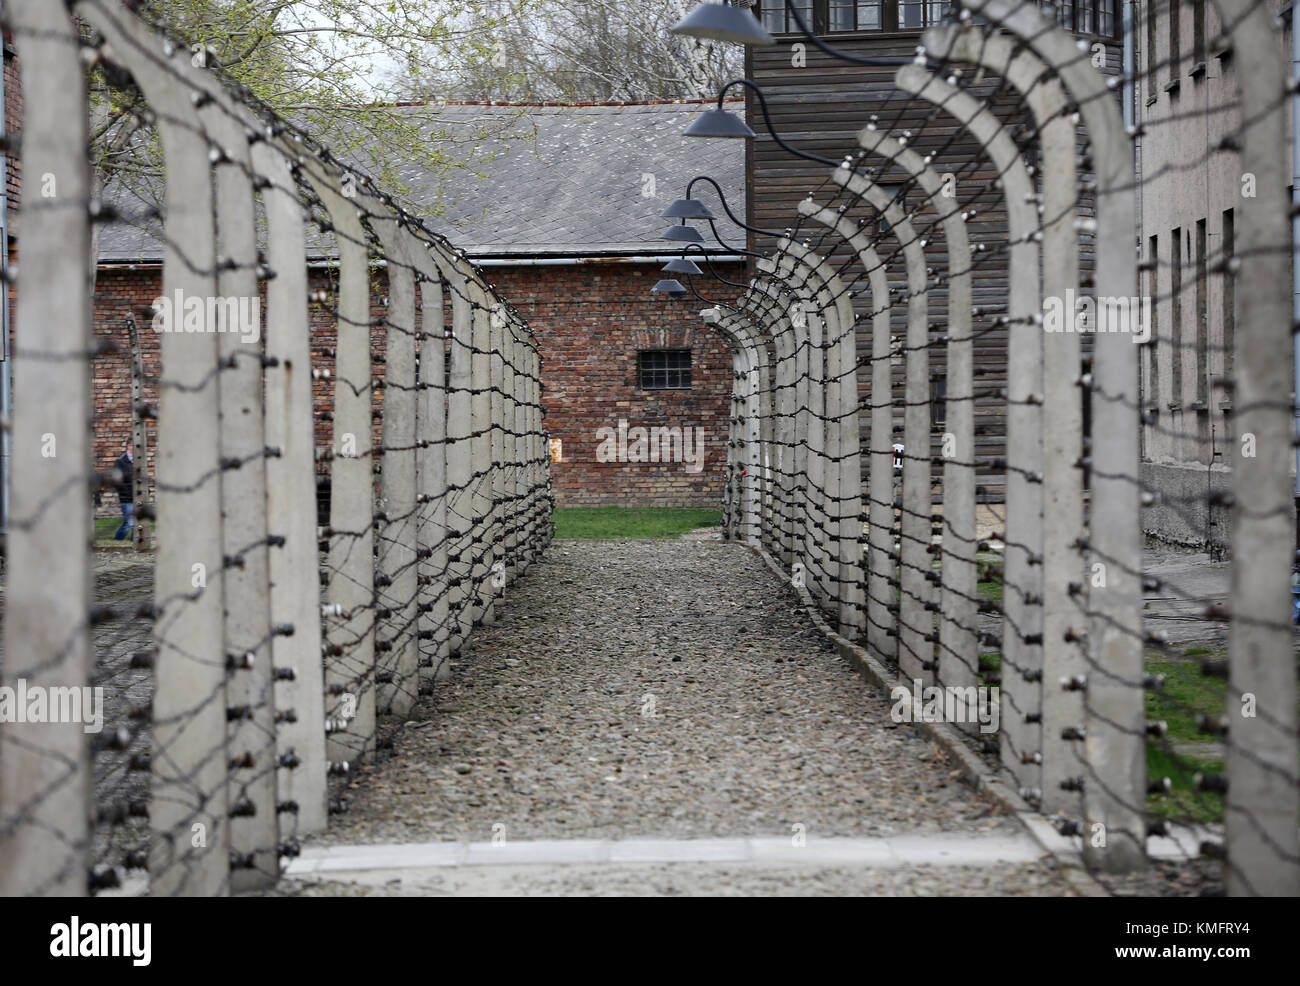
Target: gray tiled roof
{"x": 591, "y": 181}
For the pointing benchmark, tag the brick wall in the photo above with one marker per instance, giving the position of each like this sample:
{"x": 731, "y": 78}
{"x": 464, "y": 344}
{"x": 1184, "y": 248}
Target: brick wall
{"x": 590, "y": 321}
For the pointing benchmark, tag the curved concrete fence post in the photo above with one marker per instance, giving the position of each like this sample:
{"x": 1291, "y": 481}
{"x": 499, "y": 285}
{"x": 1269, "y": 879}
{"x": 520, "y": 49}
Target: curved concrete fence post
{"x": 1264, "y": 792}
{"x": 1064, "y": 620}
{"x": 800, "y": 474}
{"x": 746, "y": 440}
{"x": 822, "y": 482}
{"x": 189, "y": 821}
{"x": 397, "y": 664}
{"x": 733, "y": 508}
{"x": 843, "y": 440}
{"x": 958, "y": 657}
{"x": 792, "y": 387}
{"x": 882, "y": 625}
{"x": 778, "y": 430}
{"x": 762, "y": 459}
{"x": 761, "y": 453}
{"x": 775, "y": 431}
{"x": 350, "y": 585}
{"x": 1021, "y": 650}
{"x": 758, "y": 310}
{"x": 254, "y": 828}
{"x": 811, "y": 308}
{"x": 291, "y": 482}
{"x": 46, "y": 792}
{"x": 916, "y": 637}
{"x": 1115, "y": 700}
{"x": 731, "y": 471}
{"x": 431, "y": 430}
{"x": 807, "y": 319}
{"x": 757, "y": 423}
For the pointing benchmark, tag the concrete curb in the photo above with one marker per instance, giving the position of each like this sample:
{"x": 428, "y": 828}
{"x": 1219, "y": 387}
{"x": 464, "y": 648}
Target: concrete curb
{"x": 1068, "y": 857}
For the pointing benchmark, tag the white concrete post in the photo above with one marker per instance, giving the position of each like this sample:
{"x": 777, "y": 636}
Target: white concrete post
{"x": 350, "y": 593}
{"x": 291, "y": 482}
{"x": 480, "y": 457}
{"x": 916, "y": 638}
{"x": 459, "y": 507}
{"x": 790, "y": 439}
{"x": 881, "y": 625}
{"x": 1021, "y": 653}
{"x": 254, "y": 826}
{"x": 398, "y": 655}
{"x": 958, "y": 611}
{"x": 190, "y": 846}
{"x": 1064, "y": 621}
{"x": 495, "y": 487}
{"x": 1114, "y": 748}
{"x": 809, "y": 307}
{"x": 434, "y": 624}
{"x": 1263, "y": 787}
{"x": 842, "y": 362}
{"x": 45, "y": 774}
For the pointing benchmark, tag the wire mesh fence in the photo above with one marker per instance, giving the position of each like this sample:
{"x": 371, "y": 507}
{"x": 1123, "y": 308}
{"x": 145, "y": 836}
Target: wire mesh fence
{"x": 176, "y": 723}
{"x": 1113, "y": 629}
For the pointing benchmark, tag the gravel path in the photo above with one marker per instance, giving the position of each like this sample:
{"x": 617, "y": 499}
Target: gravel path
{"x": 666, "y": 689}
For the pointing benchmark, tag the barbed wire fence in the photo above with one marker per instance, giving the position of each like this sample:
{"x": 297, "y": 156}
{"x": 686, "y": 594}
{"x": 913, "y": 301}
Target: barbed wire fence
{"x": 1136, "y": 700}
{"x": 268, "y": 647}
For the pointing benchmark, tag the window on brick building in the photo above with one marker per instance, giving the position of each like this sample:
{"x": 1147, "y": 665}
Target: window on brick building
{"x": 664, "y": 369}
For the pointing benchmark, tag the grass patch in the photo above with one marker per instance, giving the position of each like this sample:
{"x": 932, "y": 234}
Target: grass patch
{"x": 612, "y": 523}
{"x": 1184, "y": 801}
{"x": 1186, "y": 693}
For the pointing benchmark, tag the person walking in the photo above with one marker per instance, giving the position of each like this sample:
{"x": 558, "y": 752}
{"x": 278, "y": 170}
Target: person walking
{"x": 125, "y": 466}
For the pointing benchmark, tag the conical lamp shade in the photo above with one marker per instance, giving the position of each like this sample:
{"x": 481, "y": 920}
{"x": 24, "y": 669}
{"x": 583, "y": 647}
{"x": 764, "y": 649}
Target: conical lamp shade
{"x": 670, "y": 287}
{"x": 718, "y": 123}
{"x": 687, "y": 209}
{"x": 723, "y": 22}
{"x": 682, "y": 234}
{"x": 682, "y": 266}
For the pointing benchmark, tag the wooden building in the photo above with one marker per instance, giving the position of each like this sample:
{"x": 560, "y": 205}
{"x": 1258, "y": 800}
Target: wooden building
{"x": 819, "y": 103}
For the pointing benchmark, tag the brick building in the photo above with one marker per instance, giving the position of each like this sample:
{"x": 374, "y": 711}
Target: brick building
{"x": 565, "y": 223}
